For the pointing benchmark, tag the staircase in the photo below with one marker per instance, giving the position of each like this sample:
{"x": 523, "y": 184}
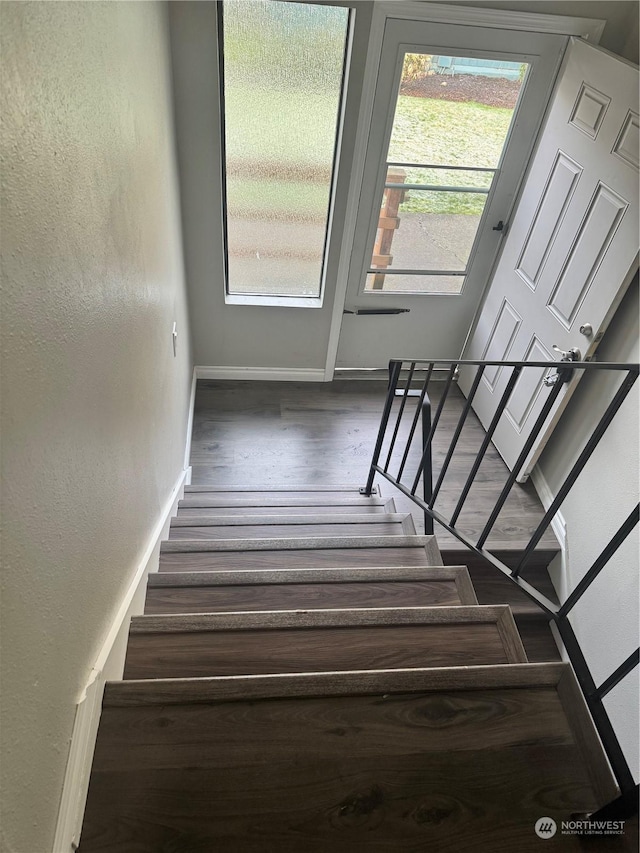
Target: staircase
{"x": 308, "y": 676}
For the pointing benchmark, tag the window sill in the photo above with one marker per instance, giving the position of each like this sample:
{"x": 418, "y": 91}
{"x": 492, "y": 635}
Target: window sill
{"x": 274, "y": 301}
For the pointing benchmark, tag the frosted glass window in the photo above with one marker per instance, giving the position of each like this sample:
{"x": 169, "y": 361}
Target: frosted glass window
{"x": 282, "y": 72}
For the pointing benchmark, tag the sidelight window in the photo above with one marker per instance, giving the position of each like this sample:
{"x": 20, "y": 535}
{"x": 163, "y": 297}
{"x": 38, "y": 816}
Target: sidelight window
{"x": 282, "y": 70}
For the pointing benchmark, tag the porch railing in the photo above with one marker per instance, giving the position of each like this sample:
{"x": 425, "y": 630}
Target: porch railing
{"x": 408, "y": 407}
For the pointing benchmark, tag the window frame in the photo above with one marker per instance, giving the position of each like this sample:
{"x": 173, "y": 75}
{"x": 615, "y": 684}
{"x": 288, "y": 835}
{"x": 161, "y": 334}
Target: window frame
{"x": 282, "y": 300}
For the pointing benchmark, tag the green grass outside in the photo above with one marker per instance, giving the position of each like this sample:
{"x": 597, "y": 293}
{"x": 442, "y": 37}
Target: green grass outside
{"x": 426, "y": 131}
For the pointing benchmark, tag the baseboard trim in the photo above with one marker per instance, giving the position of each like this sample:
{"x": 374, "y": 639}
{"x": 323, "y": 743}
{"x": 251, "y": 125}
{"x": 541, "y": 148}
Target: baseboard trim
{"x": 109, "y": 666}
{"x": 558, "y": 524}
{"x": 381, "y": 374}
{"x": 269, "y": 374}
{"x": 187, "y": 448}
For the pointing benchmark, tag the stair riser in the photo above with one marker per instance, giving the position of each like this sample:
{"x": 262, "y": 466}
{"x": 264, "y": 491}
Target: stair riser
{"x": 537, "y": 639}
{"x": 492, "y": 587}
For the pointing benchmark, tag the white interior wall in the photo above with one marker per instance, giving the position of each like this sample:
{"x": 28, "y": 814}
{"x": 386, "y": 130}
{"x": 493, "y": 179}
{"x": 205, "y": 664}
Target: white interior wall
{"x": 94, "y": 404}
{"x": 272, "y": 337}
{"x": 621, "y": 17}
{"x": 606, "y": 619}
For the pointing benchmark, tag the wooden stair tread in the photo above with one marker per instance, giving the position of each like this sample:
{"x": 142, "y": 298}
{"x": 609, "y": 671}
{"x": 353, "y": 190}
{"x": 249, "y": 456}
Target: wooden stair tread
{"x": 213, "y": 689}
{"x": 497, "y": 540}
{"x": 293, "y": 519}
{"x": 306, "y": 589}
{"x": 329, "y": 558}
{"x": 445, "y": 759}
{"x": 212, "y": 533}
{"x": 330, "y": 682}
{"x": 230, "y": 509}
{"x": 275, "y": 499}
{"x": 393, "y": 524}
{"x": 203, "y": 488}
{"x": 309, "y": 596}
{"x": 316, "y": 640}
{"x": 298, "y": 552}
{"x": 299, "y": 619}
{"x": 285, "y": 576}
{"x": 291, "y": 543}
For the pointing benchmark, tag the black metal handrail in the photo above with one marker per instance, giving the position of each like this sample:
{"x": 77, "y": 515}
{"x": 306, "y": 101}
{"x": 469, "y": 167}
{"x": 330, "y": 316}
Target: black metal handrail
{"x": 423, "y": 369}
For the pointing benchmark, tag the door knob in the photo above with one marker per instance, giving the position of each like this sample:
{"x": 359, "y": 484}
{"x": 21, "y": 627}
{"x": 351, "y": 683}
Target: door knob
{"x": 586, "y": 329}
{"x": 572, "y": 354}
{"x": 562, "y": 374}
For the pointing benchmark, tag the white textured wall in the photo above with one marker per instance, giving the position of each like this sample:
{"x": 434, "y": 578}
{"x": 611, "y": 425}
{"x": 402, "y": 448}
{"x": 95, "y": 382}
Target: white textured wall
{"x": 606, "y": 619}
{"x": 94, "y": 405}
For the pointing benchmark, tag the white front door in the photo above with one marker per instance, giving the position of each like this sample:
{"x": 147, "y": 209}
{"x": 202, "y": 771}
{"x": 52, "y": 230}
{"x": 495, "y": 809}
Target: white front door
{"x": 572, "y": 247}
{"x": 455, "y": 114}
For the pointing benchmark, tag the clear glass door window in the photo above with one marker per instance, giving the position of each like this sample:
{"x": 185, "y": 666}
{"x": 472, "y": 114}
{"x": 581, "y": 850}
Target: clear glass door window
{"x": 451, "y": 122}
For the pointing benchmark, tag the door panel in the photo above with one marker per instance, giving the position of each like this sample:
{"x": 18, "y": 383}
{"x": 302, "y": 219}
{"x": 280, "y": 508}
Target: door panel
{"x": 553, "y": 205}
{"x": 527, "y": 400}
{"x": 628, "y": 142}
{"x": 592, "y": 240}
{"x": 500, "y": 340}
{"x": 410, "y": 251}
{"x": 573, "y": 245}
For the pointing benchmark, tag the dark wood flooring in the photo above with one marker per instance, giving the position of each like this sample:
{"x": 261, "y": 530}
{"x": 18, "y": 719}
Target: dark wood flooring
{"x": 290, "y": 433}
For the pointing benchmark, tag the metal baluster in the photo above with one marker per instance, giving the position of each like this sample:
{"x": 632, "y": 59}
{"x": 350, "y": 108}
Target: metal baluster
{"x": 399, "y": 418}
{"x": 427, "y": 473}
{"x": 616, "y": 677}
{"x": 522, "y": 458}
{"x": 515, "y": 373}
{"x": 416, "y": 417}
{"x": 624, "y": 530}
{"x": 616, "y": 756}
{"x": 457, "y": 433}
{"x": 394, "y": 372}
{"x": 427, "y": 444}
